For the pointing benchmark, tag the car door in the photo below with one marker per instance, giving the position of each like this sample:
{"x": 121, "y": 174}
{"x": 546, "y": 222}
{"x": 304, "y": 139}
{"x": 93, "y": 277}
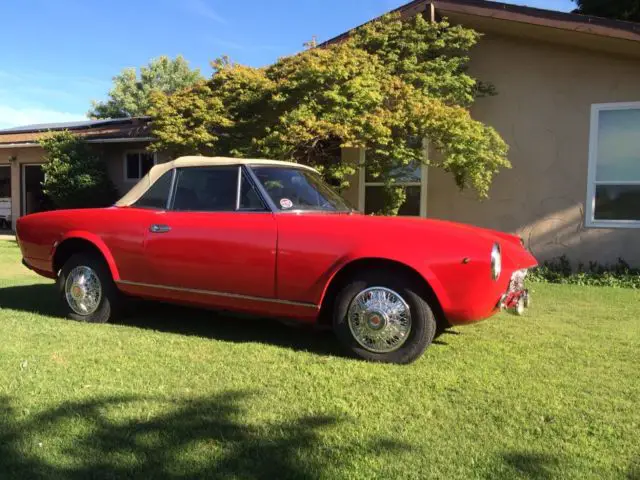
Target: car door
{"x": 217, "y": 238}
{"x": 124, "y": 230}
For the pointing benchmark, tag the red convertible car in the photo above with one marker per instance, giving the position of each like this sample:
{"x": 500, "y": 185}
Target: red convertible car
{"x": 270, "y": 238}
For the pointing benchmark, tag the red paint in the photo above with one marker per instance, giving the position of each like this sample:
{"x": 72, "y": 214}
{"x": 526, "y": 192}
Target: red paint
{"x": 231, "y": 252}
{"x": 277, "y": 257}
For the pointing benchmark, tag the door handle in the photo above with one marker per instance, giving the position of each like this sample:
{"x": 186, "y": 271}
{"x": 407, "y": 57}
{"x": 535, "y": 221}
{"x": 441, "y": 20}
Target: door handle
{"x": 156, "y": 228}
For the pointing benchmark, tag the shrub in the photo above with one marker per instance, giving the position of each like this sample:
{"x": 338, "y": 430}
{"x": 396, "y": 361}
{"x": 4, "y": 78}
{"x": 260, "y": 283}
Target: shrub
{"x": 559, "y": 270}
{"x": 75, "y": 176}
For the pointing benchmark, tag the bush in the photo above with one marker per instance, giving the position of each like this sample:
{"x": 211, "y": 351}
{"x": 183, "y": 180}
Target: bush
{"x": 75, "y": 176}
{"x": 559, "y": 270}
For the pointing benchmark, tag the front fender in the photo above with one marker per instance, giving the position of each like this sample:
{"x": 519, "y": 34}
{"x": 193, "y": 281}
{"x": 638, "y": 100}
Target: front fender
{"x": 96, "y": 241}
{"x": 421, "y": 268}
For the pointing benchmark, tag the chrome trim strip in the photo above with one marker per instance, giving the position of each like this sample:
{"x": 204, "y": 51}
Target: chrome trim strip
{"x": 219, "y": 294}
{"x": 172, "y": 189}
{"x": 238, "y": 187}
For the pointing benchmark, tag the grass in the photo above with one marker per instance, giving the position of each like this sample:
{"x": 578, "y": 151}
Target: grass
{"x": 171, "y": 392}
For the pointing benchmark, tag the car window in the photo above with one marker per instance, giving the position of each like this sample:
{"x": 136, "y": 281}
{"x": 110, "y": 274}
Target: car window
{"x": 157, "y": 195}
{"x": 206, "y": 189}
{"x": 249, "y": 197}
{"x": 293, "y": 188}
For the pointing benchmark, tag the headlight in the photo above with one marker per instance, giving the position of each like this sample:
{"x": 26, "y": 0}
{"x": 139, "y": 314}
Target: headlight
{"x": 496, "y": 261}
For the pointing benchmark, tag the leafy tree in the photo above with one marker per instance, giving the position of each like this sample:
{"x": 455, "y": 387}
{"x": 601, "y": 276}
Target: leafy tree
{"x": 389, "y": 84}
{"x": 75, "y": 177}
{"x": 628, "y": 10}
{"x": 129, "y": 96}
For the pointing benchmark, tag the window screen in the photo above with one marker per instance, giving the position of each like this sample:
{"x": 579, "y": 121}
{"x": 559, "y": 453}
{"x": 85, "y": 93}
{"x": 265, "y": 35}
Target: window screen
{"x": 138, "y": 164}
{"x": 617, "y": 179}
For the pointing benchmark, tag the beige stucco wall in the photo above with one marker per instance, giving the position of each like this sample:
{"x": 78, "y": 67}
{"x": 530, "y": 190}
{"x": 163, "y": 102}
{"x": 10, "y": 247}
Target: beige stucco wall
{"x": 113, "y": 154}
{"x": 351, "y": 194}
{"x": 542, "y": 110}
{"x": 25, "y": 155}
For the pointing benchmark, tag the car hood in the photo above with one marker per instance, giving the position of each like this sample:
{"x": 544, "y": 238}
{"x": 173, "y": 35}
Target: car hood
{"x": 432, "y": 234}
{"x": 433, "y": 225}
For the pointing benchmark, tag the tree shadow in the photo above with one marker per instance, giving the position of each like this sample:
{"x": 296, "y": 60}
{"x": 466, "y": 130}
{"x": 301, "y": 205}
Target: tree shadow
{"x": 533, "y": 465}
{"x": 195, "y": 438}
{"x": 634, "y": 470}
{"x": 42, "y": 299}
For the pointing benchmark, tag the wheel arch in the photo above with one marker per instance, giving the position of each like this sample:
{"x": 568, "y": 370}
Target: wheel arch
{"x": 375, "y": 263}
{"x": 76, "y": 242}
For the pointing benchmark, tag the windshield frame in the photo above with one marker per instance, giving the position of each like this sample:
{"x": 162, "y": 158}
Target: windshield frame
{"x": 276, "y": 209}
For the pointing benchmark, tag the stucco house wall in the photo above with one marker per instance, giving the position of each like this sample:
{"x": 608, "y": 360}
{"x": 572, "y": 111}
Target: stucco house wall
{"x": 22, "y": 156}
{"x": 542, "y": 110}
{"x": 112, "y": 153}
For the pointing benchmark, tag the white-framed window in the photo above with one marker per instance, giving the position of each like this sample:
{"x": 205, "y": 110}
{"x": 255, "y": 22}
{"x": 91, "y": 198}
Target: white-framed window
{"x": 613, "y": 189}
{"x": 137, "y": 164}
{"x": 412, "y": 177}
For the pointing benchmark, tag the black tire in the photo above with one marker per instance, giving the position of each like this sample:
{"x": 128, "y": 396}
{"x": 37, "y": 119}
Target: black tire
{"x": 423, "y": 323}
{"x": 110, "y": 301}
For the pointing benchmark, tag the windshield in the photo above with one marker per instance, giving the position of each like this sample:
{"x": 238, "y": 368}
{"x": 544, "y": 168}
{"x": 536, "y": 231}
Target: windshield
{"x": 293, "y": 188}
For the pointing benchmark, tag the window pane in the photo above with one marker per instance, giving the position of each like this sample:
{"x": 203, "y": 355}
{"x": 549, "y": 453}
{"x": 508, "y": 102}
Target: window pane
{"x": 618, "y": 145}
{"x": 206, "y": 189}
{"x": 405, "y": 174}
{"x": 376, "y": 200}
{"x": 617, "y": 202}
{"x": 5, "y": 182}
{"x": 249, "y": 198}
{"x": 158, "y": 193}
{"x": 298, "y": 189}
{"x": 133, "y": 166}
{"x": 146, "y": 163}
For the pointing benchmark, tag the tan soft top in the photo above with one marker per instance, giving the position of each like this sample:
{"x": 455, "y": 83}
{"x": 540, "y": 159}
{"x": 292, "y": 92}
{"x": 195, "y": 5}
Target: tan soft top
{"x": 183, "y": 162}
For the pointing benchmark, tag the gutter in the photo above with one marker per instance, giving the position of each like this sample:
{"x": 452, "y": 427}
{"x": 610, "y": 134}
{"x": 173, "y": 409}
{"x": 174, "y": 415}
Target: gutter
{"x": 19, "y": 145}
{"x": 95, "y": 140}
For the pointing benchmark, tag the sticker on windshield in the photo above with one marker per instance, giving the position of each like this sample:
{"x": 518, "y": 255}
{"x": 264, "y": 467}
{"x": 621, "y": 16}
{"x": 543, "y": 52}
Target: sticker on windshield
{"x": 286, "y": 203}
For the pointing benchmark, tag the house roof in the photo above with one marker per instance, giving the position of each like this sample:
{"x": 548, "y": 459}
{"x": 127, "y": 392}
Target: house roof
{"x": 498, "y": 14}
{"x": 109, "y": 130}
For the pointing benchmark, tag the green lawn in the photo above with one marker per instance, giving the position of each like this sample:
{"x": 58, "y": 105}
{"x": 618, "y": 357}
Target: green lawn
{"x": 174, "y": 392}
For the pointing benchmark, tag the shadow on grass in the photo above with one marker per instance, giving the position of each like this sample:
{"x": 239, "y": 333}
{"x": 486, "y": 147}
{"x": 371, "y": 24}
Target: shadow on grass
{"x": 193, "y": 438}
{"x": 42, "y": 299}
{"x": 533, "y": 465}
{"x": 634, "y": 469}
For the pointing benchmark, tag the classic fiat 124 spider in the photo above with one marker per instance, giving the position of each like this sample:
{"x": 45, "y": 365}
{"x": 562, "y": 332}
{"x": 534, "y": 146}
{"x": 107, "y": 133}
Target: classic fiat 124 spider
{"x": 270, "y": 238}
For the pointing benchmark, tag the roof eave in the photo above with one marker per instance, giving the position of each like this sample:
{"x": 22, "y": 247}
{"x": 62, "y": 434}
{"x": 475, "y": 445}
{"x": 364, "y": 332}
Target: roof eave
{"x": 516, "y": 13}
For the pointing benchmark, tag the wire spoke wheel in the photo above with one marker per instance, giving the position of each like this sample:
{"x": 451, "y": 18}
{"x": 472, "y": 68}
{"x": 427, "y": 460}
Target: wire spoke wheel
{"x": 379, "y": 320}
{"x": 83, "y": 290}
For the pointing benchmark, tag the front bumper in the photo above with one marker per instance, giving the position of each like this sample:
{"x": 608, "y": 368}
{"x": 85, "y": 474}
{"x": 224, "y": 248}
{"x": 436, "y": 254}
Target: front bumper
{"x": 517, "y": 298}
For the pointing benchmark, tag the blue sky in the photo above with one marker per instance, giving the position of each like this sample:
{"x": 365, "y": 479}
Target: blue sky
{"x": 60, "y": 55}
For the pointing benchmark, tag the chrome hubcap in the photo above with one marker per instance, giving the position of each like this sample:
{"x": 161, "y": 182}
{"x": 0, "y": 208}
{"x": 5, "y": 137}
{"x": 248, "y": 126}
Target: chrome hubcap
{"x": 83, "y": 290}
{"x": 379, "y": 320}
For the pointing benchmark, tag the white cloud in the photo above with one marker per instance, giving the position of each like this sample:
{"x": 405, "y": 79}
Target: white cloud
{"x": 12, "y": 117}
{"x": 203, "y": 9}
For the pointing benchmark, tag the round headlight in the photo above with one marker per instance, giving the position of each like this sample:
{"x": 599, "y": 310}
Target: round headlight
{"x": 496, "y": 261}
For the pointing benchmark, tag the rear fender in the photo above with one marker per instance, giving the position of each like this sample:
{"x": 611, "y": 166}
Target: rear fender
{"x": 96, "y": 241}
